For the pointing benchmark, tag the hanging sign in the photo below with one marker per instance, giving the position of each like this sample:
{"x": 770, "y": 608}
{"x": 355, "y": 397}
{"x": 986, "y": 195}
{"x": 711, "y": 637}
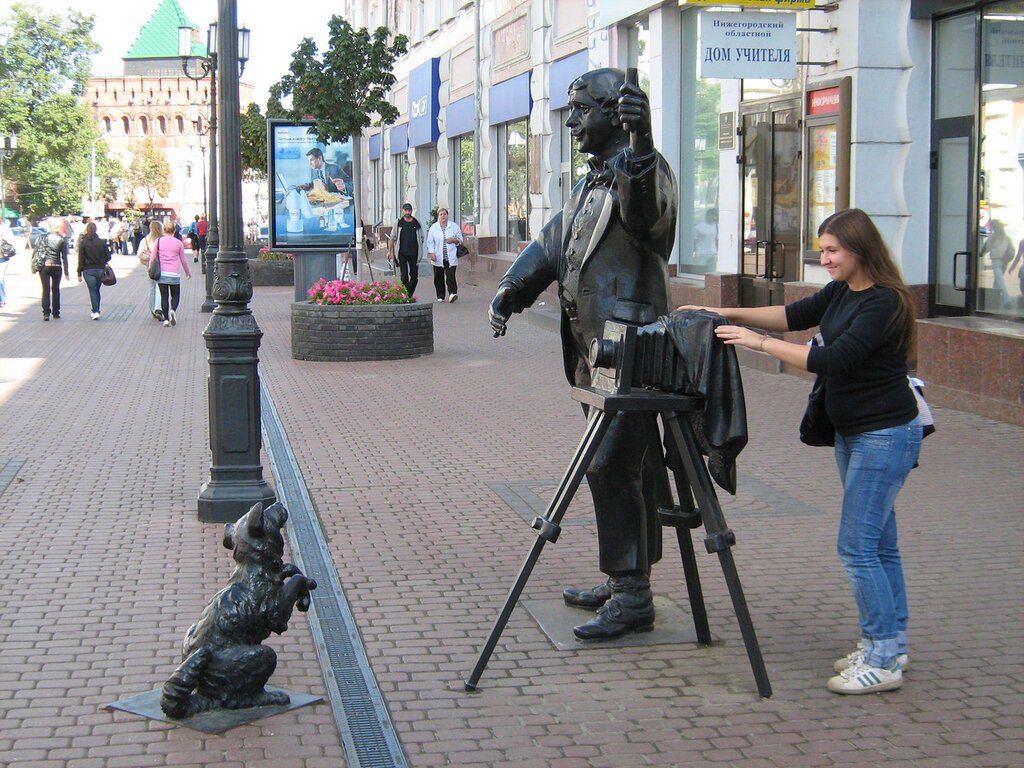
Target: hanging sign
{"x": 748, "y": 44}
{"x": 755, "y": 3}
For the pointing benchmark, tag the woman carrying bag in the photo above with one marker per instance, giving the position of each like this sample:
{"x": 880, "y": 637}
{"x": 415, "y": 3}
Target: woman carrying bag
{"x": 866, "y": 317}
{"x": 169, "y": 253}
{"x": 93, "y": 256}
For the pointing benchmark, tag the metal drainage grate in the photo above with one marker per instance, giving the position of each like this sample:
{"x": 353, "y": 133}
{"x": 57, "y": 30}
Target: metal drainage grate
{"x": 118, "y": 313}
{"x": 362, "y": 718}
{"x": 8, "y": 471}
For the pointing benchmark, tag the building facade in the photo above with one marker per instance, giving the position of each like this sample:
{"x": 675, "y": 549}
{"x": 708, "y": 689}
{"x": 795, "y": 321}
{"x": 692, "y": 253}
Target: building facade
{"x": 153, "y": 100}
{"x": 912, "y": 110}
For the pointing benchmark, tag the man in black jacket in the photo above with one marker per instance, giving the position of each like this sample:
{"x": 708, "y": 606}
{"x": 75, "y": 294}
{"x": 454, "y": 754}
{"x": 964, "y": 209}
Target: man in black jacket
{"x": 608, "y": 250}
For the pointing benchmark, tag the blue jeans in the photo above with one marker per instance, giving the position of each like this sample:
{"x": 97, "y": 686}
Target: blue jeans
{"x": 92, "y": 280}
{"x": 872, "y": 467}
{"x": 3, "y": 280}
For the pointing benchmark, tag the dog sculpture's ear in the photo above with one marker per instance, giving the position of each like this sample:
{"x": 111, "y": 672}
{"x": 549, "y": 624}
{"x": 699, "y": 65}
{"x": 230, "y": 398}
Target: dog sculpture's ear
{"x": 229, "y": 536}
{"x": 254, "y": 521}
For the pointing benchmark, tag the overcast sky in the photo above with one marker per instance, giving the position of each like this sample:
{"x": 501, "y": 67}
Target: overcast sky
{"x": 275, "y": 34}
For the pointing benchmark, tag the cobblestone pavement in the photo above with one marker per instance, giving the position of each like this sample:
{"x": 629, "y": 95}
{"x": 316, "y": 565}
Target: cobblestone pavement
{"x": 422, "y": 472}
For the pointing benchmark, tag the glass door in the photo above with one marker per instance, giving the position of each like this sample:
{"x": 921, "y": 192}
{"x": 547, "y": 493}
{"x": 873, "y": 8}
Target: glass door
{"x": 953, "y": 259}
{"x": 771, "y": 202}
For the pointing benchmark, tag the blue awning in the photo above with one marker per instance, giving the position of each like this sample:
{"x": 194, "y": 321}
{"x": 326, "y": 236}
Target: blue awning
{"x": 399, "y": 139}
{"x": 561, "y": 75}
{"x": 460, "y": 116}
{"x": 375, "y": 147}
{"x": 510, "y": 99}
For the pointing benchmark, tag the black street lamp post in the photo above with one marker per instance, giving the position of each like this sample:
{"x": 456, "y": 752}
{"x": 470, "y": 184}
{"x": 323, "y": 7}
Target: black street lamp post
{"x": 232, "y": 335}
{"x": 207, "y": 66}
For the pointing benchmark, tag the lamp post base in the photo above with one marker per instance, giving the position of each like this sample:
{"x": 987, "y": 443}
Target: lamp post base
{"x": 224, "y": 501}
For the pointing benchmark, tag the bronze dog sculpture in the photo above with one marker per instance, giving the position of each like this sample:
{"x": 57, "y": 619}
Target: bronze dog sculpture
{"x": 224, "y": 663}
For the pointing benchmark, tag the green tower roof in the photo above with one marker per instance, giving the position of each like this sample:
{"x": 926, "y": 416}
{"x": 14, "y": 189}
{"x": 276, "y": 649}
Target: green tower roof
{"x": 158, "y": 38}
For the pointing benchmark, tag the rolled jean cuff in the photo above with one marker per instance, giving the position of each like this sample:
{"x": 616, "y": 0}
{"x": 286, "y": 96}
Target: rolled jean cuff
{"x": 880, "y": 653}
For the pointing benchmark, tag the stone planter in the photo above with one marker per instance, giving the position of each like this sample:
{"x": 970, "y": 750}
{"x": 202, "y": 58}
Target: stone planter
{"x": 345, "y": 332}
{"x": 280, "y": 272}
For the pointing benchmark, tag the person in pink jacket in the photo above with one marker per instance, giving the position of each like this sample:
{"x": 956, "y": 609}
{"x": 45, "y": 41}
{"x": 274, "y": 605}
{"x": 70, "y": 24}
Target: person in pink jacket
{"x": 171, "y": 253}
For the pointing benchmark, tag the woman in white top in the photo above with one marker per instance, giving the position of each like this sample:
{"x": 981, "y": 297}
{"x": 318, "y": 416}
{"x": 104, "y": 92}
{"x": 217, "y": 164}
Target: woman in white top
{"x": 145, "y": 251}
{"x": 443, "y": 239}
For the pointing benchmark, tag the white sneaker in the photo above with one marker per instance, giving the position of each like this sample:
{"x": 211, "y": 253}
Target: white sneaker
{"x": 861, "y": 678}
{"x": 453, "y": 298}
{"x": 167, "y": 323}
{"x": 94, "y": 315}
{"x": 174, "y": 319}
{"x": 440, "y": 299}
{"x": 857, "y": 657}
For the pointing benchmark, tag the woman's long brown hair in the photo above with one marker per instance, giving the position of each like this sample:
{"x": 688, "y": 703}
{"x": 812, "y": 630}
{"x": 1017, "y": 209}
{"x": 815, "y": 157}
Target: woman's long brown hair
{"x": 857, "y": 233}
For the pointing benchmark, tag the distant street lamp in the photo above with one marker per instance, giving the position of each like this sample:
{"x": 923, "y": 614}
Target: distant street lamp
{"x": 208, "y": 66}
{"x": 9, "y": 143}
{"x": 92, "y": 176}
{"x": 232, "y": 335}
{"x": 7, "y": 147}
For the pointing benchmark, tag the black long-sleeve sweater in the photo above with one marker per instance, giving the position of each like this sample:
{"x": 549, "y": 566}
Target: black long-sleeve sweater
{"x": 862, "y": 360}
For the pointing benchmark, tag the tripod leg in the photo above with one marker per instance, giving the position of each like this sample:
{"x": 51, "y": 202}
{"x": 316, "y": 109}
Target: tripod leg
{"x": 683, "y": 518}
{"x": 719, "y": 539}
{"x": 548, "y": 529}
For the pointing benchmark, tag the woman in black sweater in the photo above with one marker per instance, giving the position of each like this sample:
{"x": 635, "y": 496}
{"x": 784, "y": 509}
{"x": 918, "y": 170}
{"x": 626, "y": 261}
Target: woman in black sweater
{"x": 93, "y": 255}
{"x": 866, "y": 318}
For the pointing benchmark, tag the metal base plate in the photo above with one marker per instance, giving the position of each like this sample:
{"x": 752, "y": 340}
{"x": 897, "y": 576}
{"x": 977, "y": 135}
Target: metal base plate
{"x": 148, "y": 705}
{"x": 556, "y": 619}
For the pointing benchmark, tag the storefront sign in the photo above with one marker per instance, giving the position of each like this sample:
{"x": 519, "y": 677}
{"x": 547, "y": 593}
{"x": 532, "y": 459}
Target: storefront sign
{"x": 748, "y": 44}
{"x": 823, "y": 102}
{"x": 726, "y": 130}
{"x": 511, "y": 41}
{"x": 424, "y": 106}
{"x": 1003, "y": 57}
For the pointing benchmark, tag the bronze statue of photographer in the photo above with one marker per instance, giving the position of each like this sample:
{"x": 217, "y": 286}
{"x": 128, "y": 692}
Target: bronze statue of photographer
{"x": 608, "y": 250}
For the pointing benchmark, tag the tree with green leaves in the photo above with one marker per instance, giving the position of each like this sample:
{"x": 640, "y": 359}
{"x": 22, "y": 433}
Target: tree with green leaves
{"x": 43, "y": 71}
{"x": 150, "y": 171}
{"x": 345, "y": 89}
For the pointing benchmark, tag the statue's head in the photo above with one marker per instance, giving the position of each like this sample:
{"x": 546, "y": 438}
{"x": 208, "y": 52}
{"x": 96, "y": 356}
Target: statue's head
{"x": 593, "y": 110}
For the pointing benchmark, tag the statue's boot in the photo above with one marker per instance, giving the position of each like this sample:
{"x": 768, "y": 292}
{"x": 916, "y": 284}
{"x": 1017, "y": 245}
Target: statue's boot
{"x": 629, "y": 609}
{"x": 587, "y": 598}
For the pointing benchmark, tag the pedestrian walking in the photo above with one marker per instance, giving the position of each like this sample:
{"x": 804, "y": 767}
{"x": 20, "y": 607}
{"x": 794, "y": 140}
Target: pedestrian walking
{"x": 8, "y": 250}
{"x": 93, "y": 256}
{"x": 202, "y": 227}
{"x": 171, "y": 253}
{"x": 443, "y": 240}
{"x": 866, "y": 318}
{"x": 145, "y": 251}
{"x": 193, "y": 238}
{"x": 407, "y": 238}
{"x": 50, "y": 260}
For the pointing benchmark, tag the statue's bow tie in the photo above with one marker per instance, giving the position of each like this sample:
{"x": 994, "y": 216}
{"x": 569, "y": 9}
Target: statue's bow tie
{"x": 599, "y": 178}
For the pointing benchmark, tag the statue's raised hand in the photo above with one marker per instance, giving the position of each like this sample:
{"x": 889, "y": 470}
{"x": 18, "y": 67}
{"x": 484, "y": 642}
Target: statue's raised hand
{"x": 635, "y": 115}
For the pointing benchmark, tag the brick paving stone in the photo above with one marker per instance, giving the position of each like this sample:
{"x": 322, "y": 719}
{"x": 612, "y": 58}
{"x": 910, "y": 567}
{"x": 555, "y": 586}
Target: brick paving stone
{"x": 404, "y": 480}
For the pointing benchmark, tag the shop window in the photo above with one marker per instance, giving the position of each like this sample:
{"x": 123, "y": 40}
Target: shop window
{"x": 514, "y": 209}
{"x": 401, "y": 178}
{"x": 1001, "y": 185}
{"x": 464, "y": 188}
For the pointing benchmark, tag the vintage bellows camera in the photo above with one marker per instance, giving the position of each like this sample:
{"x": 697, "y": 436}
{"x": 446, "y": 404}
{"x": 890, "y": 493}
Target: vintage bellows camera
{"x": 643, "y": 357}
